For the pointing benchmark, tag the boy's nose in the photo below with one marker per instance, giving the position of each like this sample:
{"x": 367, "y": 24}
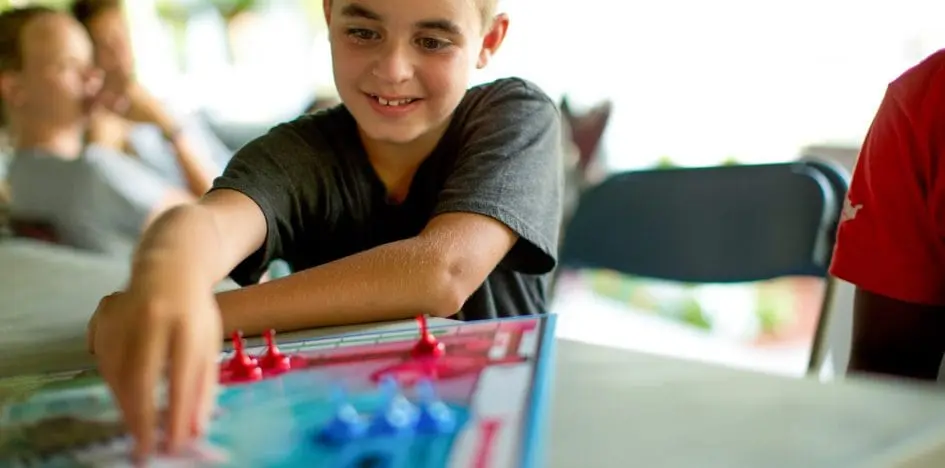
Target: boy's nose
{"x": 394, "y": 65}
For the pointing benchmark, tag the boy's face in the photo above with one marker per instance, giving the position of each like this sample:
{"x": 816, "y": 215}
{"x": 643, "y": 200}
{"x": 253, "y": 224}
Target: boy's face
{"x": 401, "y": 67}
{"x": 57, "y": 80}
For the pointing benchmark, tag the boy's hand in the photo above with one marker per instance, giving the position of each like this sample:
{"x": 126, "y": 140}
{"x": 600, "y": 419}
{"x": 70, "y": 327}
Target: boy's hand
{"x": 136, "y": 336}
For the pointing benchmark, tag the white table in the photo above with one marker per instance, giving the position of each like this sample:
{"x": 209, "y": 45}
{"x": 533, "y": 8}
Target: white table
{"x": 619, "y": 409}
{"x": 615, "y": 408}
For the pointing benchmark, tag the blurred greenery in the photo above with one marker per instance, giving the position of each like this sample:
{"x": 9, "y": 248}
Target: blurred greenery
{"x": 774, "y": 304}
{"x": 693, "y": 314}
{"x": 177, "y": 13}
{"x": 5, "y": 4}
{"x": 182, "y": 9}
{"x": 665, "y": 162}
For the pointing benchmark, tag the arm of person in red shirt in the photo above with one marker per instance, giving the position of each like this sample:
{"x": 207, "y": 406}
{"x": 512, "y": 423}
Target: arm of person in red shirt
{"x": 889, "y": 247}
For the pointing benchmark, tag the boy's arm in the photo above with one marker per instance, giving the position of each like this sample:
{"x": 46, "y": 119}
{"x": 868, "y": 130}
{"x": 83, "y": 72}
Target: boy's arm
{"x": 500, "y": 204}
{"x": 889, "y": 246}
{"x": 199, "y": 241}
{"x": 432, "y": 273}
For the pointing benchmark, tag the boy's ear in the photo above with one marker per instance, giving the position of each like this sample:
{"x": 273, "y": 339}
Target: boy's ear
{"x": 493, "y": 39}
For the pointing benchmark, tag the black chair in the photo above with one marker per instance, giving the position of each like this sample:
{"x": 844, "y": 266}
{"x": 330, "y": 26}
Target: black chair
{"x": 839, "y": 178}
{"x": 722, "y": 224}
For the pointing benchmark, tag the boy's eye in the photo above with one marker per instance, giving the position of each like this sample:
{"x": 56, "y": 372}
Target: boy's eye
{"x": 362, "y": 34}
{"x": 431, "y": 44}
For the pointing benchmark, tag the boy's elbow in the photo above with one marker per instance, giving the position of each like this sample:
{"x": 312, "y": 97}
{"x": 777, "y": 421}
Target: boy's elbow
{"x": 448, "y": 302}
{"x": 452, "y": 286}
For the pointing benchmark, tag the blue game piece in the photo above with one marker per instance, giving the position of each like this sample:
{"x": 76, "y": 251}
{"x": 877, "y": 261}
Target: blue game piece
{"x": 397, "y": 415}
{"x": 346, "y": 425}
{"x": 435, "y": 416}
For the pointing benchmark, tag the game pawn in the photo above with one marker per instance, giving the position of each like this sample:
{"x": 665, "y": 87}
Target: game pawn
{"x": 345, "y": 425}
{"x": 435, "y": 416}
{"x": 242, "y": 367}
{"x": 397, "y": 415}
{"x": 428, "y": 345}
{"x": 274, "y": 360}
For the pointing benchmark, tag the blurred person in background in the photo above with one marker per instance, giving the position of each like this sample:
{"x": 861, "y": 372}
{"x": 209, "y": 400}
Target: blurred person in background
{"x": 152, "y": 139}
{"x": 67, "y": 172}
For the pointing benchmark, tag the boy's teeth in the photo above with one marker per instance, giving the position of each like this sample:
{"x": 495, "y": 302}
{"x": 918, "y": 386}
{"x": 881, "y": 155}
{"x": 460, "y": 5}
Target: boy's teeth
{"x": 399, "y": 102}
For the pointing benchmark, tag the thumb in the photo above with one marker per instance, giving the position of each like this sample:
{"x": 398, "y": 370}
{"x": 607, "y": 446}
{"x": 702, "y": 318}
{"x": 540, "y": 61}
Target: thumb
{"x": 90, "y": 328}
{"x": 93, "y": 322}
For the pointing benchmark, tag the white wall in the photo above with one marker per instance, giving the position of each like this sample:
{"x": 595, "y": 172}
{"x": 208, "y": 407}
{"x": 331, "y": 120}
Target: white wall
{"x": 703, "y": 81}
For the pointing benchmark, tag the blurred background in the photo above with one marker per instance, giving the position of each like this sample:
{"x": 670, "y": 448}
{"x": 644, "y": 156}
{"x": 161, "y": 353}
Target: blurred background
{"x": 692, "y": 83}
{"x": 644, "y": 84}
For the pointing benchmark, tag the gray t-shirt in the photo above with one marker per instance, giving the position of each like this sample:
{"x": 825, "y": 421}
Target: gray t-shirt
{"x": 98, "y": 201}
{"x": 500, "y": 157}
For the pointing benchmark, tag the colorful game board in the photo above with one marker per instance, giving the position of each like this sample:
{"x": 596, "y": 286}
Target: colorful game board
{"x": 466, "y": 395}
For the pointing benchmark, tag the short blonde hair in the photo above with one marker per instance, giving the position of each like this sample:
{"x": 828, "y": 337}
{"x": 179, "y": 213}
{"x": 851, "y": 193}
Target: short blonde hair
{"x": 487, "y": 8}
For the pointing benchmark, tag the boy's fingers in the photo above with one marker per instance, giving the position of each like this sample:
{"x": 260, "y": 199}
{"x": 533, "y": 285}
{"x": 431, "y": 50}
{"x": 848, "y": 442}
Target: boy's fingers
{"x": 208, "y": 393}
{"x": 90, "y": 335}
{"x": 93, "y": 324}
{"x": 186, "y": 377}
{"x": 140, "y": 371}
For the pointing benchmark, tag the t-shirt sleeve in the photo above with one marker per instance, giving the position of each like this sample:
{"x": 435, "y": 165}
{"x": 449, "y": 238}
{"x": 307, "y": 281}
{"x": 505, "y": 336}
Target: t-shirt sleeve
{"x": 510, "y": 168}
{"x": 125, "y": 190}
{"x": 278, "y": 172}
{"x": 887, "y": 241}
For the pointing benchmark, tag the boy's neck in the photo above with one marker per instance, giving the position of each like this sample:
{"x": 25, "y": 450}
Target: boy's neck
{"x": 63, "y": 141}
{"x": 396, "y": 163}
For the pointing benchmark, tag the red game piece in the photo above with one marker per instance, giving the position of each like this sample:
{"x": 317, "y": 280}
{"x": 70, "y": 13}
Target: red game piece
{"x": 428, "y": 346}
{"x": 242, "y": 366}
{"x": 274, "y": 360}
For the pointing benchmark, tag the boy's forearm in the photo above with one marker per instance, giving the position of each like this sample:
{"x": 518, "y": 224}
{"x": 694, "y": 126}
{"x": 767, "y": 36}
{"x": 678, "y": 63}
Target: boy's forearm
{"x": 390, "y": 282}
{"x": 183, "y": 242}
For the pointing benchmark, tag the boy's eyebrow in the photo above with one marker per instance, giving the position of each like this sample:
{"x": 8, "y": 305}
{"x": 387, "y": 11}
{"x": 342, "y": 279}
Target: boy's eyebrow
{"x": 442, "y": 25}
{"x": 358, "y": 11}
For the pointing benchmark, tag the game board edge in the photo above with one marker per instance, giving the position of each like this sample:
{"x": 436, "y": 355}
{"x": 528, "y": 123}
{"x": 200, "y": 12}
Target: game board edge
{"x": 535, "y": 437}
{"x": 407, "y": 327}
{"x": 541, "y": 317}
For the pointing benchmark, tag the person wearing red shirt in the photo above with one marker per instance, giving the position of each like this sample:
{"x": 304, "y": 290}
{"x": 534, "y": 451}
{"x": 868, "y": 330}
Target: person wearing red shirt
{"x": 891, "y": 239}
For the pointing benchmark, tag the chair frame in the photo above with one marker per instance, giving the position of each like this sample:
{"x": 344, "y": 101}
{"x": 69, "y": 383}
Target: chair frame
{"x": 833, "y": 180}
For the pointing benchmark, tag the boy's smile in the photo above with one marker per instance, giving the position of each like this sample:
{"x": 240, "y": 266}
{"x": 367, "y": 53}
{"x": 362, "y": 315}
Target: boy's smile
{"x": 393, "y": 106}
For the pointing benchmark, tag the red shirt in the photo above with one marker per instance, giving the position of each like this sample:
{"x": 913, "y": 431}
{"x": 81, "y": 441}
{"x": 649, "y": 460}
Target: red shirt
{"x": 891, "y": 239}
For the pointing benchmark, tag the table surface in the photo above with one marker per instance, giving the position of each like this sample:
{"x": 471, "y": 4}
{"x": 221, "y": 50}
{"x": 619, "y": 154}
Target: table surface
{"x": 615, "y": 408}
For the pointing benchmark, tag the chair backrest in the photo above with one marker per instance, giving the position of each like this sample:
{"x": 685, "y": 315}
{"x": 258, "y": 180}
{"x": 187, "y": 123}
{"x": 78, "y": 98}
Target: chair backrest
{"x": 839, "y": 178}
{"x": 706, "y": 225}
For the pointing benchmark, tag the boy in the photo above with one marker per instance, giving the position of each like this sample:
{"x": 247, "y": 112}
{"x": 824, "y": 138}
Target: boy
{"x": 414, "y": 197}
{"x": 65, "y": 172}
{"x": 890, "y": 242}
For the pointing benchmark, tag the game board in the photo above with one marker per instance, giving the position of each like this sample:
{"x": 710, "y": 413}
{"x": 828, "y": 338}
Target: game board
{"x": 465, "y": 395}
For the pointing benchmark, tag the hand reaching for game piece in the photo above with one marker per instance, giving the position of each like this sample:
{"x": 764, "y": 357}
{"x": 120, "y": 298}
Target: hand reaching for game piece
{"x": 134, "y": 334}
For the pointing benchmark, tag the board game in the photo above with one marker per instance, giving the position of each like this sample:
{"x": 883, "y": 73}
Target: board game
{"x": 461, "y": 395}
